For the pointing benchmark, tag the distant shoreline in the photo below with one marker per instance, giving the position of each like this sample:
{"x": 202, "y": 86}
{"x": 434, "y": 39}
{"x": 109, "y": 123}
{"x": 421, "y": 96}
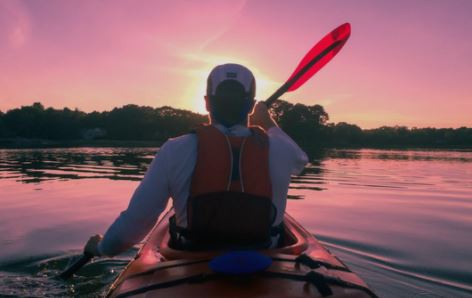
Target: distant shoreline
{"x": 24, "y": 143}
{"x": 139, "y": 126}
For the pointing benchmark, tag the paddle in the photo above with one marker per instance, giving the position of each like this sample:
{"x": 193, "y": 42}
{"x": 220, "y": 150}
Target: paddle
{"x": 314, "y": 60}
{"x": 84, "y": 259}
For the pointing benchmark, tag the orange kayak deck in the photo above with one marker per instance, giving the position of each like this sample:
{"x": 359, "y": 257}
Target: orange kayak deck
{"x": 301, "y": 268}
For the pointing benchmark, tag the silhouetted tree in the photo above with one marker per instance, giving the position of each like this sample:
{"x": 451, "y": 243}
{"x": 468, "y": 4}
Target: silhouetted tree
{"x": 303, "y": 123}
{"x": 308, "y": 125}
{"x": 346, "y": 134}
{"x": 26, "y": 121}
{"x": 3, "y": 128}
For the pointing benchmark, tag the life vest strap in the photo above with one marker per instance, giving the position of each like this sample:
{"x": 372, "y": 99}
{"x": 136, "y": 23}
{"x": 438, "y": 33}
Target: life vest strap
{"x": 231, "y": 163}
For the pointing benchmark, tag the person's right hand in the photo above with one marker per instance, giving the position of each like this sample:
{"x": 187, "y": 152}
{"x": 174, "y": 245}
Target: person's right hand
{"x": 261, "y": 116}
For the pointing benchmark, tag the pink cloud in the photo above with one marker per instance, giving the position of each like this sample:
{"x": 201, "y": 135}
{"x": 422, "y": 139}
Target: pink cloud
{"x": 14, "y": 24}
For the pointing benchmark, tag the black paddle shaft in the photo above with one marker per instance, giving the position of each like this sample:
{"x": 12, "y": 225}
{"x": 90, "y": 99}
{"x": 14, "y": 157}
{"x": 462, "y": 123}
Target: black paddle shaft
{"x": 84, "y": 259}
{"x": 284, "y": 88}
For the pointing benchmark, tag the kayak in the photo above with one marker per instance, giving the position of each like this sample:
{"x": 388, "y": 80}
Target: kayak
{"x": 300, "y": 267}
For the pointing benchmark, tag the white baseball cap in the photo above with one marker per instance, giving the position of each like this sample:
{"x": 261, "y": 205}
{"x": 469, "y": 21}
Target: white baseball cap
{"x": 234, "y": 72}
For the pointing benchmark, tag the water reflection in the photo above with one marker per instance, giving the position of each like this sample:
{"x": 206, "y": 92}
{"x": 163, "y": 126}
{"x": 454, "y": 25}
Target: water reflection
{"x": 399, "y": 218}
{"x": 38, "y": 165}
{"x": 35, "y": 166}
{"x": 400, "y": 155}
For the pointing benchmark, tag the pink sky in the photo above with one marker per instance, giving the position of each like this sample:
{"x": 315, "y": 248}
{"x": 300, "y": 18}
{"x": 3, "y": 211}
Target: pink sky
{"x": 407, "y": 62}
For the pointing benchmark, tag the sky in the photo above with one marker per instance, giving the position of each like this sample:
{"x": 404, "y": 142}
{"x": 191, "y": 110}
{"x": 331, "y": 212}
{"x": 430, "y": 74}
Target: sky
{"x": 406, "y": 63}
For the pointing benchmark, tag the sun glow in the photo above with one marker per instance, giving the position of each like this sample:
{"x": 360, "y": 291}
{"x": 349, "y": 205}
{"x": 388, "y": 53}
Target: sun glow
{"x": 197, "y": 89}
{"x": 198, "y": 101}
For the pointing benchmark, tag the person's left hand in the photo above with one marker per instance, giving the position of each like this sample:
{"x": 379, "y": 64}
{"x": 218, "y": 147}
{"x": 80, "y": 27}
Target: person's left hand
{"x": 92, "y": 245}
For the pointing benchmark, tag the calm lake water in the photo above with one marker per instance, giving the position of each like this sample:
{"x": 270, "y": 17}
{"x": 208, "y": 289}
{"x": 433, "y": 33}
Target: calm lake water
{"x": 401, "y": 219}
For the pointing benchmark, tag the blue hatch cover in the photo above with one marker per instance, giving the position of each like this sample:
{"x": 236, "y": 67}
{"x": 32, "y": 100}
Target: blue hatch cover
{"x": 240, "y": 262}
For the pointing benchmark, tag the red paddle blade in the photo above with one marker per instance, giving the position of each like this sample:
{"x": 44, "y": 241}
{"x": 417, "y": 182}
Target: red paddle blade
{"x": 319, "y": 55}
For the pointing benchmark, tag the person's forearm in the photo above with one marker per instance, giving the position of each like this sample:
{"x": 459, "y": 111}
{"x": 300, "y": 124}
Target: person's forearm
{"x": 113, "y": 243}
{"x": 267, "y": 123}
{"x": 124, "y": 233}
{"x": 280, "y": 141}
{"x": 147, "y": 203}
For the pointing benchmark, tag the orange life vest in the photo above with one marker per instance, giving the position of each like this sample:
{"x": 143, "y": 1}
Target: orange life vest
{"x": 230, "y": 202}
{"x": 229, "y": 163}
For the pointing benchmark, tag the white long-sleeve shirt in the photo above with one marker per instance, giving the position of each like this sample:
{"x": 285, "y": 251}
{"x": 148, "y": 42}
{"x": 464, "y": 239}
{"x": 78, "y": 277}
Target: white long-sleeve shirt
{"x": 170, "y": 175}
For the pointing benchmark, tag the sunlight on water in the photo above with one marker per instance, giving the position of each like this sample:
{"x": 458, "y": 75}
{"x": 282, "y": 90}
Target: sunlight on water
{"x": 400, "y": 219}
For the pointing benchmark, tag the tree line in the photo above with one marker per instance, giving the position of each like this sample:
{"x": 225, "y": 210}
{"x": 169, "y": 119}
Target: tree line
{"x": 130, "y": 122}
{"x": 307, "y": 125}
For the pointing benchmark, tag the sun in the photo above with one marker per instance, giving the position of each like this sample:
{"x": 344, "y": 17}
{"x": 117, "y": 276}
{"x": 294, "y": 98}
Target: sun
{"x": 198, "y": 93}
{"x": 200, "y": 106}
{"x": 264, "y": 88}
{"x": 196, "y": 90}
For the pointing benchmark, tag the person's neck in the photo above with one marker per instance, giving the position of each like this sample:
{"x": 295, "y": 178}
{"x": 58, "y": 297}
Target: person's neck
{"x": 213, "y": 121}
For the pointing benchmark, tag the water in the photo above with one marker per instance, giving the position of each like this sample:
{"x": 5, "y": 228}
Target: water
{"x": 401, "y": 219}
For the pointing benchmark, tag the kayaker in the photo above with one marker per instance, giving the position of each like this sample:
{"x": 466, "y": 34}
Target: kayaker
{"x": 248, "y": 166}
